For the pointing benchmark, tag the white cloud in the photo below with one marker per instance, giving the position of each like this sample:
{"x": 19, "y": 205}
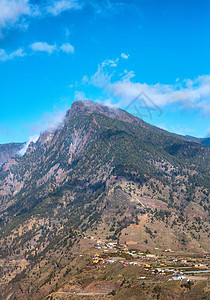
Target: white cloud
{"x": 33, "y": 139}
{"x": 110, "y": 62}
{"x": 35, "y": 47}
{"x": 123, "y": 55}
{"x": 17, "y": 12}
{"x": 128, "y": 75}
{"x": 67, "y": 48}
{"x": 194, "y": 94}
{"x": 12, "y": 10}
{"x": 50, "y": 121}
{"x": 102, "y": 77}
{"x": 4, "y": 56}
{"x": 57, "y": 7}
{"x": 43, "y": 47}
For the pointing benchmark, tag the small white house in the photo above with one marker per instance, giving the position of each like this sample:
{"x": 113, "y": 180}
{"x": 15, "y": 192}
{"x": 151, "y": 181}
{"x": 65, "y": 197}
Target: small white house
{"x": 178, "y": 277}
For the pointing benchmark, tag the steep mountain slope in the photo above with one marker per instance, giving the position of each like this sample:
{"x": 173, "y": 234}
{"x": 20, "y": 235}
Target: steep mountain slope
{"x": 101, "y": 171}
{"x": 9, "y": 150}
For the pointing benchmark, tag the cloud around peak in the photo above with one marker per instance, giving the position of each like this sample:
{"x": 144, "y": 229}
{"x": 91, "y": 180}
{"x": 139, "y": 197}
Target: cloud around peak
{"x": 33, "y": 139}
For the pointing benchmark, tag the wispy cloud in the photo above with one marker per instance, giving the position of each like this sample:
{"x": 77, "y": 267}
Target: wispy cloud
{"x": 125, "y": 56}
{"x": 36, "y": 47}
{"x": 43, "y": 47}
{"x": 12, "y": 11}
{"x": 103, "y": 75}
{"x": 17, "y": 12}
{"x": 107, "y": 8}
{"x": 67, "y": 48}
{"x": 110, "y": 62}
{"x": 50, "y": 121}
{"x": 128, "y": 75}
{"x": 194, "y": 94}
{"x": 33, "y": 139}
{"x": 4, "y": 56}
{"x": 57, "y": 7}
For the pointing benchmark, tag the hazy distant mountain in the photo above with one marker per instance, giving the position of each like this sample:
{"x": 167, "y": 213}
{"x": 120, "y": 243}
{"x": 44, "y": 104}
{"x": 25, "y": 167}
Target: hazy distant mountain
{"x": 203, "y": 141}
{"x": 9, "y": 150}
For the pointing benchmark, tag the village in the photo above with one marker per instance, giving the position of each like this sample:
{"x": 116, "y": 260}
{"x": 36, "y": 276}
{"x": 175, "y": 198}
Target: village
{"x": 165, "y": 264}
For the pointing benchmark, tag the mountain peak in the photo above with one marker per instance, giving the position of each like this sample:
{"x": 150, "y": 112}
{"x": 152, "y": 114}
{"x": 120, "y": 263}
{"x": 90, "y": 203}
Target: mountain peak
{"x": 85, "y": 103}
{"x": 89, "y": 106}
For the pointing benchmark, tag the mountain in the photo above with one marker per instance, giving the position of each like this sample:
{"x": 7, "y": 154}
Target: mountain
{"x": 106, "y": 173}
{"x": 9, "y": 150}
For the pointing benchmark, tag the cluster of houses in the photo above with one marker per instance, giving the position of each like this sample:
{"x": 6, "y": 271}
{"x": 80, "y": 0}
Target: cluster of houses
{"x": 155, "y": 264}
{"x": 97, "y": 259}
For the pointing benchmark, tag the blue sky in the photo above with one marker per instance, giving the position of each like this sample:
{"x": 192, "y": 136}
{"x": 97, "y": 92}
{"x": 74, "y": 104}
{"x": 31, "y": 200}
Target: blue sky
{"x": 55, "y": 52}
